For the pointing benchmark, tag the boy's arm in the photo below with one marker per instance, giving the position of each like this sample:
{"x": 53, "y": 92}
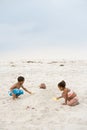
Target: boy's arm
{"x": 26, "y": 90}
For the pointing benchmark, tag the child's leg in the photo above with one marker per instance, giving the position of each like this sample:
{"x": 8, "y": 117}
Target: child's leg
{"x": 16, "y": 93}
{"x": 14, "y": 96}
{"x": 20, "y": 93}
{"x": 73, "y": 102}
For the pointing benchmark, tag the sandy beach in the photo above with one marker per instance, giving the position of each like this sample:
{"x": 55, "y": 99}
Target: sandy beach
{"x": 38, "y": 111}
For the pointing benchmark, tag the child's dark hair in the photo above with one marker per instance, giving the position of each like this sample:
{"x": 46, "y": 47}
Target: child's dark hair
{"x": 20, "y": 78}
{"x": 62, "y": 84}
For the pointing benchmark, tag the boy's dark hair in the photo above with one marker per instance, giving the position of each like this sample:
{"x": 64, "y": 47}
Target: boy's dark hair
{"x": 20, "y": 78}
{"x": 62, "y": 84}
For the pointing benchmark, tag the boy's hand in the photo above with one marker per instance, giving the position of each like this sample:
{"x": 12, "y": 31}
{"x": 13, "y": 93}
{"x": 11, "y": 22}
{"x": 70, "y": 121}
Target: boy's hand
{"x": 26, "y": 90}
{"x": 30, "y": 92}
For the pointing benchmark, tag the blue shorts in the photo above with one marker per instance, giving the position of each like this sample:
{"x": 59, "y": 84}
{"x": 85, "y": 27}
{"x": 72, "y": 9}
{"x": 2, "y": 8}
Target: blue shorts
{"x": 17, "y": 92}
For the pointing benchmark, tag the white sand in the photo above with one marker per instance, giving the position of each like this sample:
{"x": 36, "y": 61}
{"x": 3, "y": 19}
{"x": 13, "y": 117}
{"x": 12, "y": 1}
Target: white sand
{"x": 47, "y": 114}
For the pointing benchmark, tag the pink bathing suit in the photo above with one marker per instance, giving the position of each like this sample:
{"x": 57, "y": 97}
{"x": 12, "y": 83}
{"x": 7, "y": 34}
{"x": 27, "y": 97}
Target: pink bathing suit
{"x": 73, "y": 101}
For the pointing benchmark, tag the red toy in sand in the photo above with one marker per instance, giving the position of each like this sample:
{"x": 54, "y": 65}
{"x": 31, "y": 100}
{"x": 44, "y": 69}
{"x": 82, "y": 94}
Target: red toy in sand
{"x": 43, "y": 86}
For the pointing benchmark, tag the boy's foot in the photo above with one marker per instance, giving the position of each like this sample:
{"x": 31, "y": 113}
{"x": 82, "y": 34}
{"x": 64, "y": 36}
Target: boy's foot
{"x": 14, "y": 96}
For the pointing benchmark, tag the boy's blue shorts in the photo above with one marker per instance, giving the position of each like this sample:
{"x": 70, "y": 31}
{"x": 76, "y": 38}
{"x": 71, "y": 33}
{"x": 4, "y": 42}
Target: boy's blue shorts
{"x": 17, "y": 92}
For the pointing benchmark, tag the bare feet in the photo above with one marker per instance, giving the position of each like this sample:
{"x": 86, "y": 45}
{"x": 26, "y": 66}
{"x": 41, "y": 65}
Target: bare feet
{"x": 14, "y": 96}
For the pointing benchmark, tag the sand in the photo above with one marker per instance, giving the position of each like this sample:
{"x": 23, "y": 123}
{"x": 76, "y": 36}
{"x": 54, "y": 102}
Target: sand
{"x": 38, "y": 111}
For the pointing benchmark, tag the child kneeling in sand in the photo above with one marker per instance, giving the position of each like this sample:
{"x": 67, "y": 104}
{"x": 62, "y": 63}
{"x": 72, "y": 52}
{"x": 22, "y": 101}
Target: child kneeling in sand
{"x": 69, "y": 95}
{"x": 15, "y": 90}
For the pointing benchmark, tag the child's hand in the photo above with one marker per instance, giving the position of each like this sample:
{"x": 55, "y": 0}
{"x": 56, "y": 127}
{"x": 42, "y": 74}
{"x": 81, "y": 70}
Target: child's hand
{"x": 64, "y": 103}
{"x": 57, "y": 98}
{"x": 30, "y": 93}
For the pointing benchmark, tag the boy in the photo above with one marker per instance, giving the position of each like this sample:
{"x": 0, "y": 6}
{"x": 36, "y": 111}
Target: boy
{"x": 15, "y": 90}
{"x": 69, "y": 95}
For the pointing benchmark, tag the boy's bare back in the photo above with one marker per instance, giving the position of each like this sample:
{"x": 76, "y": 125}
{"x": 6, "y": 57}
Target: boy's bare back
{"x": 16, "y": 85}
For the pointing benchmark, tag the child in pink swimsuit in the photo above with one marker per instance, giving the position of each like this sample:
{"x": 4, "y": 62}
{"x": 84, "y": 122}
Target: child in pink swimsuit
{"x": 70, "y": 96}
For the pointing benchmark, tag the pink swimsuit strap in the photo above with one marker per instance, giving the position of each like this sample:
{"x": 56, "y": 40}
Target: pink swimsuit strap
{"x": 70, "y": 93}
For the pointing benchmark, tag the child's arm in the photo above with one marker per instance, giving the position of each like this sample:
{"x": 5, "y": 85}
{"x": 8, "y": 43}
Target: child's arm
{"x": 59, "y": 97}
{"x": 26, "y": 90}
{"x": 66, "y": 96}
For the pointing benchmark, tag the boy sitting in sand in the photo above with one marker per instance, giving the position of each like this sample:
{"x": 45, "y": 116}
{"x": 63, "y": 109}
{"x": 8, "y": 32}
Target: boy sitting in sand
{"x": 15, "y": 90}
{"x": 69, "y": 95}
